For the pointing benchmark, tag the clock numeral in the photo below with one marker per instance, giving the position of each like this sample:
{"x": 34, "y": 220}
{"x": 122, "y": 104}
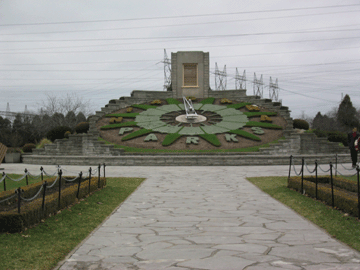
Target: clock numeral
{"x": 258, "y": 130}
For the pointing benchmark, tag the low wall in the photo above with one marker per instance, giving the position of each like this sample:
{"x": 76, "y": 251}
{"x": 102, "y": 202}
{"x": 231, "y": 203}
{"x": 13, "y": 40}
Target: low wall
{"x": 184, "y": 160}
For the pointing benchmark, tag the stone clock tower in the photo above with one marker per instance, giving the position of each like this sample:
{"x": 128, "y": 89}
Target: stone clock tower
{"x": 190, "y": 74}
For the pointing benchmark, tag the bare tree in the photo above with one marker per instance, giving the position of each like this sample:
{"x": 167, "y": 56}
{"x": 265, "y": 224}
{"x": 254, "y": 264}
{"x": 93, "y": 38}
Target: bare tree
{"x": 70, "y": 103}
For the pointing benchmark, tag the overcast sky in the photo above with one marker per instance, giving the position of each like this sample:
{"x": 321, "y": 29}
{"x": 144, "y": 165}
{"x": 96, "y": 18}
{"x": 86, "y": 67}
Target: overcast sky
{"x": 103, "y": 50}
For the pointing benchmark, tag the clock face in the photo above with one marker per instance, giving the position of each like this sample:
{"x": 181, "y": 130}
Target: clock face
{"x": 234, "y": 125}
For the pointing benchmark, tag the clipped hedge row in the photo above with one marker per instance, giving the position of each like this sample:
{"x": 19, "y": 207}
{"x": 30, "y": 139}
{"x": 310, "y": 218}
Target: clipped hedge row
{"x": 118, "y": 125}
{"x": 172, "y": 101}
{"x": 171, "y": 138}
{"x": 144, "y": 106}
{"x": 344, "y": 200}
{"x": 125, "y": 115}
{"x": 32, "y": 213}
{"x": 211, "y": 138}
{"x": 238, "y": 105}
{"x": 137, "y": 133}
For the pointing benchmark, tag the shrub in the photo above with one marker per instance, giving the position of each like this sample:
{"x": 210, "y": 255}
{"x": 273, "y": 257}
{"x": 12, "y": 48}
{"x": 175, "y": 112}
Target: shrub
{"x": 156, "y": 102}
{"x": 57, "y": 133}
{"x": 129, "y": 110}
{"x": 191, "y": 98}
{"x": 27, "y": 148}
{"x": 115, "y": 120}
{"x": 43, "y": 142}
{"x": 337, "y": 137}
{"x": 225, "y": 101}
{"x": 320, "y": 133}
{"x": 300, "y": 124}
{"x": 67, "y": 133}
{"x": 82, "y": 127}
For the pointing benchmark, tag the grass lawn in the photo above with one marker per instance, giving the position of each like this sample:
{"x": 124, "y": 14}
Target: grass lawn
{"x": 43, "y": 246}
{"x": 336, "y": 223}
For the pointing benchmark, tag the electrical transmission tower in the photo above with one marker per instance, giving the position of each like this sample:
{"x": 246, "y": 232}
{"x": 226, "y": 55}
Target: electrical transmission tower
{"x": 220, "y": 78}
{"x": 240, "y": 81}
{"x": 167, "y": 71}
{"x": 7, "y": 114}
{"x": 258, "y": 86}
{"x": 274, "y": 90}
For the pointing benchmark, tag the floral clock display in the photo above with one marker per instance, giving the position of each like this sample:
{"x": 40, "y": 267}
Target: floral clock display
{"x": 212, "y": 120}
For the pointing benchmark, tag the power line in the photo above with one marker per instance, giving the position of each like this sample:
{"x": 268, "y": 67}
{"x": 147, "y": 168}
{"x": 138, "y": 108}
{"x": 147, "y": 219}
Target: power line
{"x": 182, "y": 16}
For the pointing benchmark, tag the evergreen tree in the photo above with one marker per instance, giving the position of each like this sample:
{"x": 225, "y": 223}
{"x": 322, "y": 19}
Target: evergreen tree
{"x": 346, "y": 114}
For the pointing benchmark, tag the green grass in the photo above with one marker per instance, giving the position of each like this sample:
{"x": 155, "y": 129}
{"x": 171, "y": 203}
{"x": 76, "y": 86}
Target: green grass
{"x": 344, "y": 228}
{"x": 154, "y": 151}
{"x": 43, "y": 246}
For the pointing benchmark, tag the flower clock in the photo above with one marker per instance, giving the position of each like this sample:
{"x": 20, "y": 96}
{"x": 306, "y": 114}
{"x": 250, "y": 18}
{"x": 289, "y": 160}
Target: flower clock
{"x": 207, "y": 120}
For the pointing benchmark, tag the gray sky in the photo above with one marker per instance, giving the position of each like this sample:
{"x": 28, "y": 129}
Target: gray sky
{"x": 103, "y": 50}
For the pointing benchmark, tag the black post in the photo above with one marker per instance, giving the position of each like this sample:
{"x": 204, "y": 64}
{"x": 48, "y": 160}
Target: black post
{"x": 27, "y": 182}
{"x": 19, "y": 199}
{"x": 78, "y": 191}
{"x": 60, "y": 173}
{"x": 99, "y": 168}
{"x": 42, "y": 174}
{"x": 4, "y": 181}
{"x": 358, "y": 190}
{"x": 336, "y": 162}
{"x": 302, "y": 175}
{"x": 43, "y": 202}
{"x": 316, "y": 180}
{"x": 89, "y": 178}
{"x": 332, "y": 185}
{"x": 289, "y": 166}
{"x": 104, "y": 169}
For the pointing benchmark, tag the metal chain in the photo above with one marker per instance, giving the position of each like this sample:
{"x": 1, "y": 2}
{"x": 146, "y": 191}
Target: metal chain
{"x": 295, "y": 170}
{"x": 17, "y": 180}
{"x": 2, "y": 179}
{"x": 8, "y": 198}
{"x": 47, "y": 174}
{"x": 34, "y": 197}
{"x": 347, "y": 168}
{"x": 308, "y": 168}
{"x": 323, "y": 170}
{"x": 57, "y": 178}
{"x": 69, "y": 180}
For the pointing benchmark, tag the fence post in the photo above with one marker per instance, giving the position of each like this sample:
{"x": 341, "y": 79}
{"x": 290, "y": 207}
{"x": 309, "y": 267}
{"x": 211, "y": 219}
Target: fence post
{"x": 336, "y": 162}
{"x": 59, "y": 173}
{"x": 316, "y": 180}
{"x": 42, "y": 174}
{"x": 332, "y": 185}
{"x": 19, "y": 199}
{"x": 104, "y": 169}
{"x": 43, "y": 201}
{"x": 290, "y": 166}
{"x": 358, "y": 190}
{"x": 27, "y": 182}
{"x": 99, "y": 168}
{"x": 4, "y": 181}
{"x": 78, "y": 191}
{"x": 89, "y": 178}
{"x": 302, "y": 176}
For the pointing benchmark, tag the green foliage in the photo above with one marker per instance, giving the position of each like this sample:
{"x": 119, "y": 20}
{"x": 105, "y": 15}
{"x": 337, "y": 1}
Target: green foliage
{"x": 253, "y": 114}
{"x": 125, "y": 115}
{"x": 211, "y": 138}
{"x": 43, "y": 142}
{"x": 209, "y": 100}
{"x": 67, "y": 133}
{"x": 135, "y": 134}
{"x": 27, "y": 148}
{"x": 82, "y": 127}
{"x": 261, "y": 124}
{"x": 335, "y": 136}
{"x": 346, "y": 114}
{"x": 118, "y": 125}
{"x": 57, "y": 133}
{"x": 238, "y": 105}
{"x": 172, "y": 101}
{"x": 245, "y": 134}
{"x": 171, "y": 138}
{"x": 143, "y": 106}
{"x": 300, "y": 124}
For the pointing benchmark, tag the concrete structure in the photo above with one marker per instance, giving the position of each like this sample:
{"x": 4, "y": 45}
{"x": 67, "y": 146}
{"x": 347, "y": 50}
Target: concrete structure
{"x": 190, "y": 74}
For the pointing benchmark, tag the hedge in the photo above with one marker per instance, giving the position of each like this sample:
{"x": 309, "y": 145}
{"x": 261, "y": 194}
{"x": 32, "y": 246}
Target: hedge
{"x": 135, "y": 134}
{"x": 211, "y": 138}
{"x": 344, "y": 200}
{"x": 32, "y": 213}
{"x": 118, "y": 125}
{"x": 171, "y": 138}
{"x": 300, "y": 124}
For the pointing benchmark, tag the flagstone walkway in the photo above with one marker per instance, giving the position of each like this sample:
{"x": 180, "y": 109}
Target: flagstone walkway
{"x": 206, "y": 218}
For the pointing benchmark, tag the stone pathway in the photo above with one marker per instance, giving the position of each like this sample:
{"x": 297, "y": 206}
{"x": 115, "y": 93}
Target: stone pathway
{"x": 207, "y": 218}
